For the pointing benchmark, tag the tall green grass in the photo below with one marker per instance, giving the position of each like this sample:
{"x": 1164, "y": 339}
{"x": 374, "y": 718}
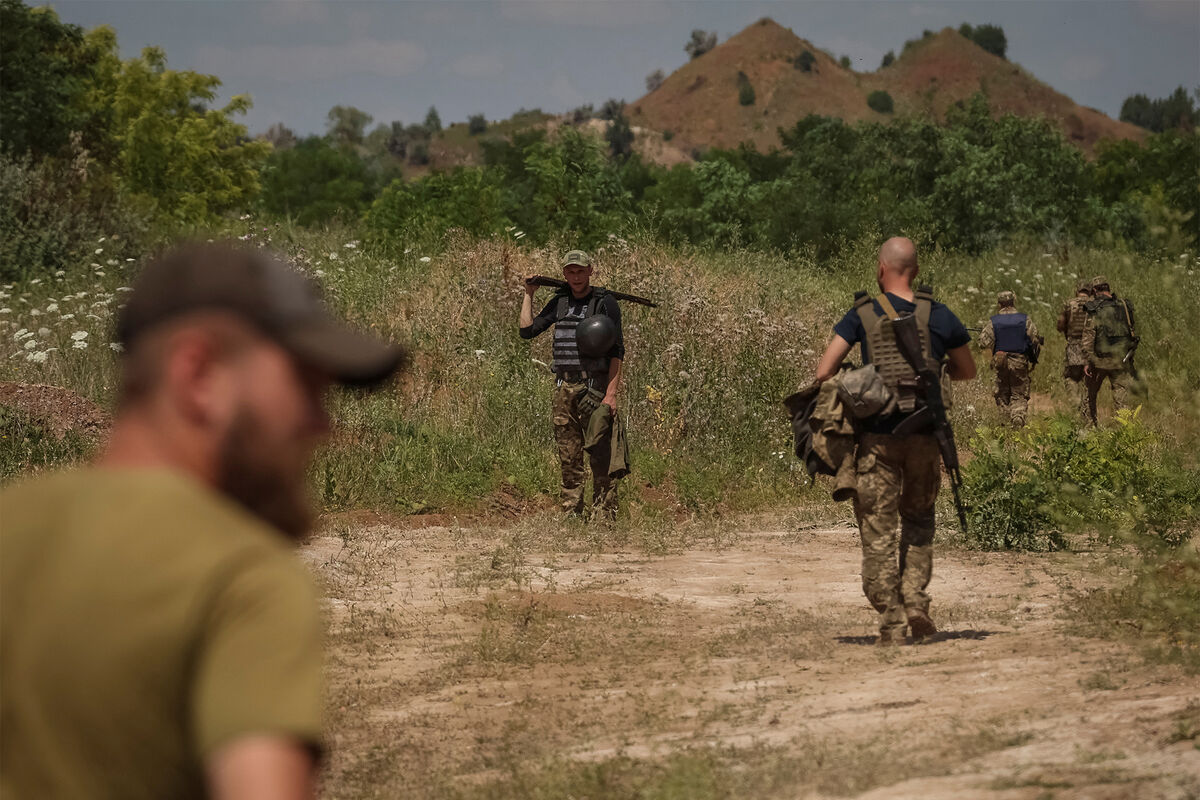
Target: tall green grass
{"x": 735, "y": 332}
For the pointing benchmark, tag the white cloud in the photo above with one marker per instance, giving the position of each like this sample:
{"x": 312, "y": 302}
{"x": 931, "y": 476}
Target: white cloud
{"x": 564, "y": 94}
{"x": 594, "y": 13}
{"x": 478, "y": 65}
{"x": 389, "y": 59}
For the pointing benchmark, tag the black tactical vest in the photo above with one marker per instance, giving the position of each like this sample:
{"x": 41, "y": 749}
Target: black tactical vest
{"x": 567, "y": 357}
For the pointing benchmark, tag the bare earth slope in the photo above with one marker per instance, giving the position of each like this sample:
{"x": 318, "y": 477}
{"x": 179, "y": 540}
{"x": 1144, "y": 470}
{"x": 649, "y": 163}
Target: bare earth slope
{"x": 482, "y": 663}
{"x": 699, "y": 101}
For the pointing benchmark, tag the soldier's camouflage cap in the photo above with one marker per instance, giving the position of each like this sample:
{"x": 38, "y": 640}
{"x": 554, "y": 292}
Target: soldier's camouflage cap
{"x": 577, "y": 258}
{"x": 1084, "y": 286}
{"x": 1006, "y": 298}
{"x": 1099, "y": 281}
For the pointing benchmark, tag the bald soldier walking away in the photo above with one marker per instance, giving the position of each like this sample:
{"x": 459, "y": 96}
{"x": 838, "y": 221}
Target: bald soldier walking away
{"x": 1109, "y": 343}
{"x": 588, "y": 351}
{"x": 158, "y": 636}
{"x": 898, "y": 475}
{"x": 1071, "y": 322}
{"x": 1015, "y": 344}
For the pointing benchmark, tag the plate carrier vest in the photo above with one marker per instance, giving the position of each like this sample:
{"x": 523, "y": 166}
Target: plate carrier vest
{"x": 882, "y": 350}
{"x": 1010, "y": 335}
{"x": 1076, "y": 318}
{"x": 591, "y": 367}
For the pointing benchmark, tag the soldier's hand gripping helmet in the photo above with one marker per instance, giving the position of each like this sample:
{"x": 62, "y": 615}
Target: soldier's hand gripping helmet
{"x": 595, "y": 336}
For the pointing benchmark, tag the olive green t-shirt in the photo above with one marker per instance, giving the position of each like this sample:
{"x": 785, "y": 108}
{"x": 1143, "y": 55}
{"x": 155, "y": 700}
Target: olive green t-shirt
{"x": 145, "y": 621}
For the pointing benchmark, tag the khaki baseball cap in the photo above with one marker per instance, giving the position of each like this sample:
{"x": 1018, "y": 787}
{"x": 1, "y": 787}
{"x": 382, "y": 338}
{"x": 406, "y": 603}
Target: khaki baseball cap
{"x": 1006, "y": 298}
{"x": 260, "y": 288}
{"x": 1099, "y": 281}
{"x": 577, "y": 258}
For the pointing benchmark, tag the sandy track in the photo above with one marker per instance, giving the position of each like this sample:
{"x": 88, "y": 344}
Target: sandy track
{"x": 459, "y": 657}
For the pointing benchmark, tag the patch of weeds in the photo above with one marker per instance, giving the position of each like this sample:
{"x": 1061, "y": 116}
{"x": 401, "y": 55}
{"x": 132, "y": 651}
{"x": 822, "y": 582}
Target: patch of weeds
{"x": 28, "y": 447}
{"x": 1101, "y": 682}
{"x": 1187, "y": 726}
{"x": 1157, "y": 609}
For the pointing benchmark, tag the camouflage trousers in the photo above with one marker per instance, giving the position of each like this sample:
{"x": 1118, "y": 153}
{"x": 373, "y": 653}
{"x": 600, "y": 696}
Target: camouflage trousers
{"x": 570, "y": 426}
{"x": 898, "y": 481}
{"x": 1124, "y": 382}
{"x": 1076, "y": 389}
{"x": 1012, "y": 387}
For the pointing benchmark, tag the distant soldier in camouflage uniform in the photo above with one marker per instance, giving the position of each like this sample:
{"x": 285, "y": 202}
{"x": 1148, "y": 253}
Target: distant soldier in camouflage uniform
{"x": 898, "y": 476}
{"x": 581, "y": 382}
{"x": 1071, "y": 322}
{"x": 1109, "y": 342}
{"x": 1014, "y": 341}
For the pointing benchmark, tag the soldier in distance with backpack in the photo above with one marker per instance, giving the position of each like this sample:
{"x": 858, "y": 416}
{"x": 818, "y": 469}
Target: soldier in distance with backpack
{"x": 1109, "y": 342}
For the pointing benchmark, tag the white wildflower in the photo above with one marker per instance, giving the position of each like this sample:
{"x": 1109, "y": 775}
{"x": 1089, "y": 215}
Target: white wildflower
{"x": 20, "y": 334}
{"x": 60, "y": 273}
{"x": 112, "y": 262}
{"x": 124, "y": 288}
{"x": 117, "y": 347}
{"x": 244, "y": 217}
{"x": 33, "y": 312}
{"x": 99, "y": 250}
{"x": 333, "y": 256}
{"x": 80, "y": 344}
{"x": 67, "y": 316}
{"x": 32, "y": 343}
{"x": 351, "y": 245}
{"x": 38, "y": 357}
{"x": 424, "y": 259}
{"x": 44, "y": 332}
{"x": 480, "y": 353}
{"x": 35, "y": 281}
{"x": 5, "y": 310}
{"x": 129, "y": 261}
{"x": 50, "y": 309}
{"x": 99, "y": 273}
{"x": 94, "y": 265}
{"x": 79, "y": 335}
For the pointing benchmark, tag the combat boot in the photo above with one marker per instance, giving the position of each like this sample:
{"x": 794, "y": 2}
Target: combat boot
{"x": 920, "y": 623}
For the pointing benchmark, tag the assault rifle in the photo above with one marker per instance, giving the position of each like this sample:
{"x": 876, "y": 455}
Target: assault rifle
{"x": 908, "y": 340}
{"x": 1136, "y": 341}
{"x": 558, "y": 283}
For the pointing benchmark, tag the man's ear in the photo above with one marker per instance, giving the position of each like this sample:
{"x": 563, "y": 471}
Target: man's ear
{"x": 199, "y": 385}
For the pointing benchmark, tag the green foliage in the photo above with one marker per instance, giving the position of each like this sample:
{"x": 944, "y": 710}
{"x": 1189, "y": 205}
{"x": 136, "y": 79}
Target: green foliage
{"x": 1024, "y": 488}
{"x": 880, "y": 101}
{"x": 347, "y": 125}
{"x": 476, "y": 124}
{"x": 888, "y": 59}
{"x": 655, "y": 79}
{"x": 700, "y": 43}
{"x": 990, "y": 37}
{"x": 619, "y": 136}
{"x": 27, "y": 447}
{"x": 421, "y": 211}
{"x": 45, "y": 70}
{"x": 53, "y": 212}
{"x": 911, "y": 43}
{"x": 314, "y": 182}
{"x": 668, "y": 135}
{"x": 745, "y": 89}
{"x": 845, "y": 62}
{"x": 804, "y": 62}
{"x": 433, "y": 121}
{"x": 1177, "y": 111}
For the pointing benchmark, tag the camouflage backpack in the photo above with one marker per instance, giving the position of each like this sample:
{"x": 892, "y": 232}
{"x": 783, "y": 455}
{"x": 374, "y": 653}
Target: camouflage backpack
{"x": 1113, "y": 323}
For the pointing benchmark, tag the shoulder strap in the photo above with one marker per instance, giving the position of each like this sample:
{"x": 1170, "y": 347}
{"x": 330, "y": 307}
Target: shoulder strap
{"x": 560, "y": 313}
{"x": 1128, "y": 318}
{"x": 862, "y": 304}
{"x": 598, "y": 294}
{"x": 886, "y": 305}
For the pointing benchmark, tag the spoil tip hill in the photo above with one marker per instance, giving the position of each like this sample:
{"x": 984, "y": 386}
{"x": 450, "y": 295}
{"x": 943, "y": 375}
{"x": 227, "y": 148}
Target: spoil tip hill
{"x": 699, "y": 103}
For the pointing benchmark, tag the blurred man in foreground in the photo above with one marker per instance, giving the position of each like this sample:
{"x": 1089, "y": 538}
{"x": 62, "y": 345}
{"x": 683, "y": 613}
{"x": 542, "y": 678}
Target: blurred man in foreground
{"x": 158, "y": 637}
{"x": 898, "y": 474}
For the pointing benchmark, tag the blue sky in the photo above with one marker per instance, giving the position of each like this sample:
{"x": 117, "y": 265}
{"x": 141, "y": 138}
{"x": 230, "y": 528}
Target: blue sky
{"x": 297, "y": 58}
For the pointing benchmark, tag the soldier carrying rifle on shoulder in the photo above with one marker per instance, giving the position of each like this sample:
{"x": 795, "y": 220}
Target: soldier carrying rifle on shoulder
{"x": 909, "y": 341}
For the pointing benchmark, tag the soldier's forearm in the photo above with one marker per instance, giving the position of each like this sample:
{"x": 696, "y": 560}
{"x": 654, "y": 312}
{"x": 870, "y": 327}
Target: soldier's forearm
{"x": 614, "y": 377}
{"x": 526, "y": 311}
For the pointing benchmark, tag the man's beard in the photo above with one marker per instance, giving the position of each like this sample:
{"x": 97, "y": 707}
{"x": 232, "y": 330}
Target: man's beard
{"x": 251, "y": 473}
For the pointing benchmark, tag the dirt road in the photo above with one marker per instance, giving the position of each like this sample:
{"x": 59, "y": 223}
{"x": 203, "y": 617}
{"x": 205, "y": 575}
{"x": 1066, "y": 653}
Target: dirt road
{"x": 484, "y": 663}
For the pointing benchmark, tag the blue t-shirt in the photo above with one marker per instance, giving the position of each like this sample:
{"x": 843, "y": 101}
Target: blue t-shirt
{"x": 946, "y": 331}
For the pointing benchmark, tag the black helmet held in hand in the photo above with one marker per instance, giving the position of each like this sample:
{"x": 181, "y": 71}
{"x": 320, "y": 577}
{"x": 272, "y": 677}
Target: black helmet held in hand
{"x": 595, "y": 336}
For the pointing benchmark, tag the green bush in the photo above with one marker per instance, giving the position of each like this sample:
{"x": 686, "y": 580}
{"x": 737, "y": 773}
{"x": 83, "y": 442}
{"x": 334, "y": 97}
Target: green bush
{"x": 476, "y": 124}
{"x": 27, "y": 447}
{"x": 314, "y": 181}
{"x": 845, "y": 62}
{"x": 880, "y": 101}
{"x": 888, "y": 59}
{"x": 745, "y": 90}
{"x": 1025, "y": 488}
{"x": 804, "y": 62}
{"x": 53, "y": 213}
